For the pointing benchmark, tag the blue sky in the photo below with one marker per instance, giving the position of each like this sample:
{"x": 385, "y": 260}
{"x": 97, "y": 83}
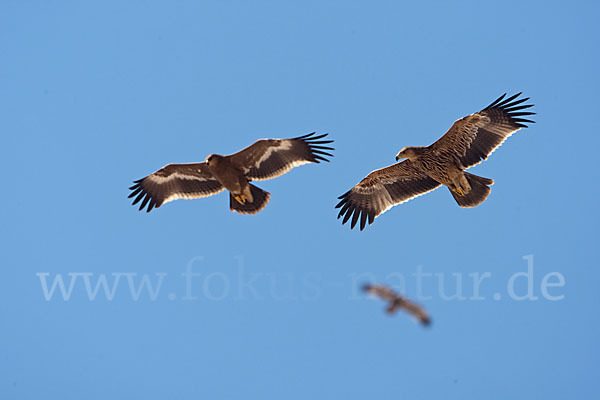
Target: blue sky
{"x": 96, "y": 95}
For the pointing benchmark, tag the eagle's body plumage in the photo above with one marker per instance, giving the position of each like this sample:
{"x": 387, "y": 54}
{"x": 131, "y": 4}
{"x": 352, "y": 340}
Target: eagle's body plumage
{"x": 469, "y": 141}
{"x": 265, "y": 159}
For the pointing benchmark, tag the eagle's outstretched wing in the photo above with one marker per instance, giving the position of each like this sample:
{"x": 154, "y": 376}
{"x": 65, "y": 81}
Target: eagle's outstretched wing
{"x": 473, "y": 138}
{"x": 269, "y": 158}
{"x": 381, "y": 291}
{"x": 383, "y": 189}
{"x": 415, "y": 310}
{"x": 175, "y": 181}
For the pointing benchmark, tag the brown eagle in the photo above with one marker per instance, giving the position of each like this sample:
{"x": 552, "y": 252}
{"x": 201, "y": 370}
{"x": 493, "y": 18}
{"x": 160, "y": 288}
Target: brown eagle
{"x": 469, "y": 141}
{"x": 265, "y": 159}
{"x": 395, "y": 302}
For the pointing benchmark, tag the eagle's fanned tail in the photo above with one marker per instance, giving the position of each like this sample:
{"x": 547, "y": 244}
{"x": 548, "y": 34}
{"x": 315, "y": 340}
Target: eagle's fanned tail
{"x": 260, "y": 198}
{"x": 480, "y": 190}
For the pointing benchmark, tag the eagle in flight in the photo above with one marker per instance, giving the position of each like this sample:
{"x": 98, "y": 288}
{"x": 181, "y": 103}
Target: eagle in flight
{"x": 469, "y": 141}
{"x": 395, "y": 302}
{"x": 265, "y": 159}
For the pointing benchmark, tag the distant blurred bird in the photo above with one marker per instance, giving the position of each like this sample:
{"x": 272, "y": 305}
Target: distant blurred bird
{"x": 469, "y": 141}
{"x": 397, "y": 301}
{"x": 265, "y": 159}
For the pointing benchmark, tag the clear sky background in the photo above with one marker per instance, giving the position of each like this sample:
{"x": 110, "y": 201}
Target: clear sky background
{"x": 94, "y": 95}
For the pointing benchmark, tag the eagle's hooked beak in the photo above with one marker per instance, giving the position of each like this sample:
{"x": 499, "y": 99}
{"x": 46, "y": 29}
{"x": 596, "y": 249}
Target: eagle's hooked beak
{"x": 398, "y": 157}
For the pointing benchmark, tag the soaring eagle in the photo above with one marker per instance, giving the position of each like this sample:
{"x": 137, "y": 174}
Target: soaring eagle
{"x": 265, "y": 159}
{"x": 395, "y": 302}
{"x": 469, "y": 141}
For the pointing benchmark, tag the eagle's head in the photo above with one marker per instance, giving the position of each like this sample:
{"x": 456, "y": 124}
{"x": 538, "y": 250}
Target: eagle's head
{"x": 211, "y": 159}
{"x": 407, "y": 152}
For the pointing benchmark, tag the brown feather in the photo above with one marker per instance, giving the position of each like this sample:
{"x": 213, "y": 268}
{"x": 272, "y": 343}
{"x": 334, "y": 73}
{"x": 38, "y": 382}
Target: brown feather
{"x": 383, "y": 189}
{"x": 270, "y": 158}
{"x": 473, "y": 138}
{"x": 175, "y": 181}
